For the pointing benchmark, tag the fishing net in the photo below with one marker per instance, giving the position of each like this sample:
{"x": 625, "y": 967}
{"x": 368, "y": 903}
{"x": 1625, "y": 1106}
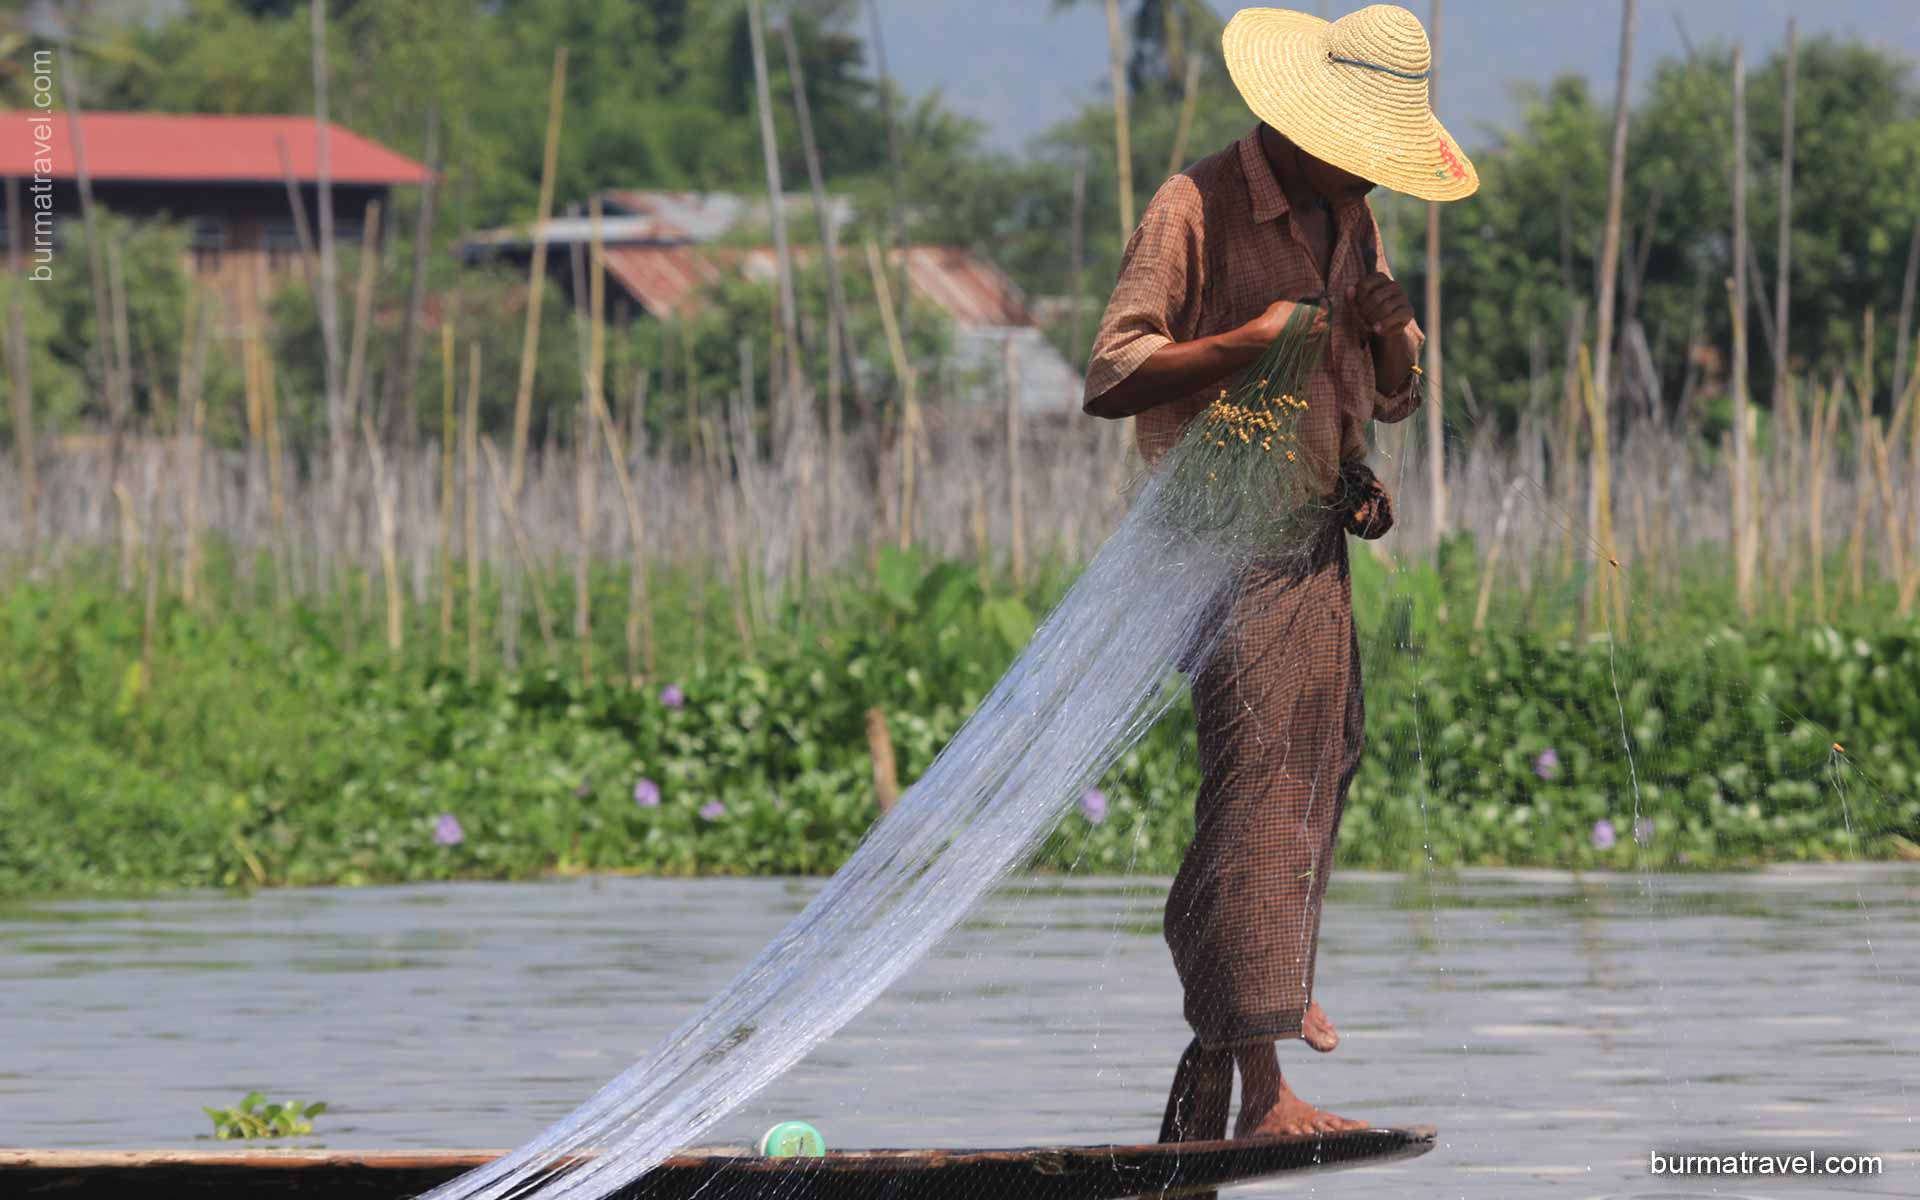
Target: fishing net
{"x": 1504, "y": 723}
{"x": 1096, "y": 675}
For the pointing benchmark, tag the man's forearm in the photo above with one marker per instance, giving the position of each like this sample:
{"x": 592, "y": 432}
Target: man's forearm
{"x": 1393, "y": 357}
{"x": 1178, "y": 369}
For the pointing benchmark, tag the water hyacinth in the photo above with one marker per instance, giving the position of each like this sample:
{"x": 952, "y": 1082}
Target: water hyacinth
{"x": 1548, "y": 764}
{"x": 447, "y": 831}
{"x": 712, "y": 810}
{"x": 1093, "y": 806}
{"x": 672, "y": 696}
{"x": 1603, "y": 835}
{"x": 1643, "y": 831}
{"x": 646, "y": 793}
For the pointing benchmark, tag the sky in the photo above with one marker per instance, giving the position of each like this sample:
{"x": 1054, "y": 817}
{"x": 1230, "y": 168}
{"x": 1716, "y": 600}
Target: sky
{"x": 1018, "y": 66}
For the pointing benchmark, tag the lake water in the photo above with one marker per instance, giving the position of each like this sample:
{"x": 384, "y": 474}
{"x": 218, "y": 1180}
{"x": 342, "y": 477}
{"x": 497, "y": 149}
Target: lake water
{"x": 1556, "y": 1028}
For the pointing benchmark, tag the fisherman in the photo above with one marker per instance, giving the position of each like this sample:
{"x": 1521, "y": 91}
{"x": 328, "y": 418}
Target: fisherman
{"x": 1223, "y": 255}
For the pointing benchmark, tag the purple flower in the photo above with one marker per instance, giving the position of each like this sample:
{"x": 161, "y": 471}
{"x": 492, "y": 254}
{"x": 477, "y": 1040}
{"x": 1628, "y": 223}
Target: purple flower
{"x": 1603, "y": 837}
{"x": 447, "y": 830}
{"x": 584, "y": 790}
{"x": 712, "y": 810}
{"x": 672, "y": 696}
{"x": 1093, "y": 806}
{"x": 1643, "y": 830}
{"x": 646, "y": 793}
{"x": 1548, "y": 764}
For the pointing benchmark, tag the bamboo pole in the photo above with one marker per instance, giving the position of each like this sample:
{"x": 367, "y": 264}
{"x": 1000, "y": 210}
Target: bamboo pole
{"x": 339, "y": 424}
{"x": 302, "y": 231}
{"x": 122, "y": 372}
{"x": 1122, "y": 141}
{"x": 1016, "y": 510}
{"x": 982, "y": 547}
{"x": 1492, "y": 563}
{"x": 193, "y": 406}
{"x": 1567, "y": 459}
{"x": 389, "y": 561}
{"x": 470, "y": 507}
{"x": 886, "y": 781}
{"x": 1863, "y": 460}
{"x": 1901, "y": 380}
{"x": 537, "y": 275}
{"x": 363, "y": 309}
{"x": 1607, "y": 595}
{"x": 399, "y": 389}
{"x": 1742, "y": 449}
{"x": 115, "y": 386}
{"x": 587, "y": 451}
{"x": 1783, "y": 267}
{"x": 639, "y": 630}
{"x": 1432, "y": 326}
{"x": 730, "y": 538}
{"x": 1610, "y": 238}
{"x": 523, "y": 549}
{"x": 448, "y": 385}
{"x": 1826, "y": 411}
{"x": 1600, "y": 406}
{"x": 21, "y": 370}
{"x": 910, "y": 409}
{"x": 1075, "y": 252}
{"x": 282, "y": 558}
{"x": 788, "y": 418}
{"x": 842, "y": 362}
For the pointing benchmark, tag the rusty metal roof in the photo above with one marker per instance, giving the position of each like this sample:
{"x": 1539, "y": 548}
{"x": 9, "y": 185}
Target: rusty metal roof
{"x": 660, "y": 278}
{"x": 968, "y": 288}
{"x": 971, "y": 291}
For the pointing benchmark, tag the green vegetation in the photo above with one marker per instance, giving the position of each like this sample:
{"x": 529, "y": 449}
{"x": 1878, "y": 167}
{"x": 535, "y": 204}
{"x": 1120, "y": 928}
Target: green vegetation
{"x": 253, "y": 1117}
{"x": 253, "y": 748}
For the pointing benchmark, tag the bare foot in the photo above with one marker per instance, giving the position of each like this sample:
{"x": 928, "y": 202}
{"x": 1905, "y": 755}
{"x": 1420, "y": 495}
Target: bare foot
{"x": 1290, "y": 1115}
{"x": 1268, "y": 1106}
{"x": 1317, "y": 1030}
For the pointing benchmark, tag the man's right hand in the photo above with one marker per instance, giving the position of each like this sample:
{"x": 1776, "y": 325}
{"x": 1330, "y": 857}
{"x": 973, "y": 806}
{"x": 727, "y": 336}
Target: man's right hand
{"x": 1269, "y": 324}
{"x": 1183, "y": 368}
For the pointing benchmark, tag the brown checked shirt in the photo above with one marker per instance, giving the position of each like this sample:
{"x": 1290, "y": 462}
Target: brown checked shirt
{"x": 1214, "y": 249}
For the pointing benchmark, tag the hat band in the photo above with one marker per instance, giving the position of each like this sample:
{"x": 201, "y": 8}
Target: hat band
{"x": 1355, "y": 62}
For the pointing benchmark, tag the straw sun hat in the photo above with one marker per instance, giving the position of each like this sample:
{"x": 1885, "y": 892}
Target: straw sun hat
{"x": 1351, "y": 92}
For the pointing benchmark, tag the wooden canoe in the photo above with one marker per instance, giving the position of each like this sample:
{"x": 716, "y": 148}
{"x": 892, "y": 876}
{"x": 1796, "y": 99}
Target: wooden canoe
{"x": 1040, "y": 1173}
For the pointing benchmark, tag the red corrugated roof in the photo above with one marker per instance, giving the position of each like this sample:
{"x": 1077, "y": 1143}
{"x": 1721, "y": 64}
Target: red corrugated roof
{"x": 198, "y": 148}
{"x": 970, "y": 290}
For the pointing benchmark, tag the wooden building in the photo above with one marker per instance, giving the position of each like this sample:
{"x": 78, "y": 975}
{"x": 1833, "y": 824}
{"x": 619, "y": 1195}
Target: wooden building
{"x": 229, "y": 179}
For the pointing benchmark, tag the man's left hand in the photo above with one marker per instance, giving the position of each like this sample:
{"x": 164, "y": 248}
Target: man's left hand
{"x": 1383, "y": 307}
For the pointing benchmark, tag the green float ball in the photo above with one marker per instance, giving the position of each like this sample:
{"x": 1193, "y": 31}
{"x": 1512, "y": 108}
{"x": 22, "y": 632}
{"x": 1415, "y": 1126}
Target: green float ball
{"x": 793, "y": 1139}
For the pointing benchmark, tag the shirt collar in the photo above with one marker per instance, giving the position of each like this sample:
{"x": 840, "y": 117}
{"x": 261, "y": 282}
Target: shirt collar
{"x": 1269, "y": 200}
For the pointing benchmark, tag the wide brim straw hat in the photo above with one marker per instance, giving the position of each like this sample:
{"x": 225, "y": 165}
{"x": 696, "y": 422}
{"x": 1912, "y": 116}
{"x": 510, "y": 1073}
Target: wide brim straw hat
{"x": 1351, "y": 92}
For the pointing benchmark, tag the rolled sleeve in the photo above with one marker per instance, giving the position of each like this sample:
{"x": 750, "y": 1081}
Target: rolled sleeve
{"x": 1156, "y": 298}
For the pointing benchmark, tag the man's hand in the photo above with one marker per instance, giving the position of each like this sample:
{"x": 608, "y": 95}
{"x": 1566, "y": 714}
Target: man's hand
{"x": 1383, "y": 307}
{"x": 1267, "y": 326}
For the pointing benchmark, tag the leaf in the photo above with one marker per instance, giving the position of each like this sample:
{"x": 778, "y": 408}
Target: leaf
{"x": 897, "y": 576}
{"x": 1010, "y": 619}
